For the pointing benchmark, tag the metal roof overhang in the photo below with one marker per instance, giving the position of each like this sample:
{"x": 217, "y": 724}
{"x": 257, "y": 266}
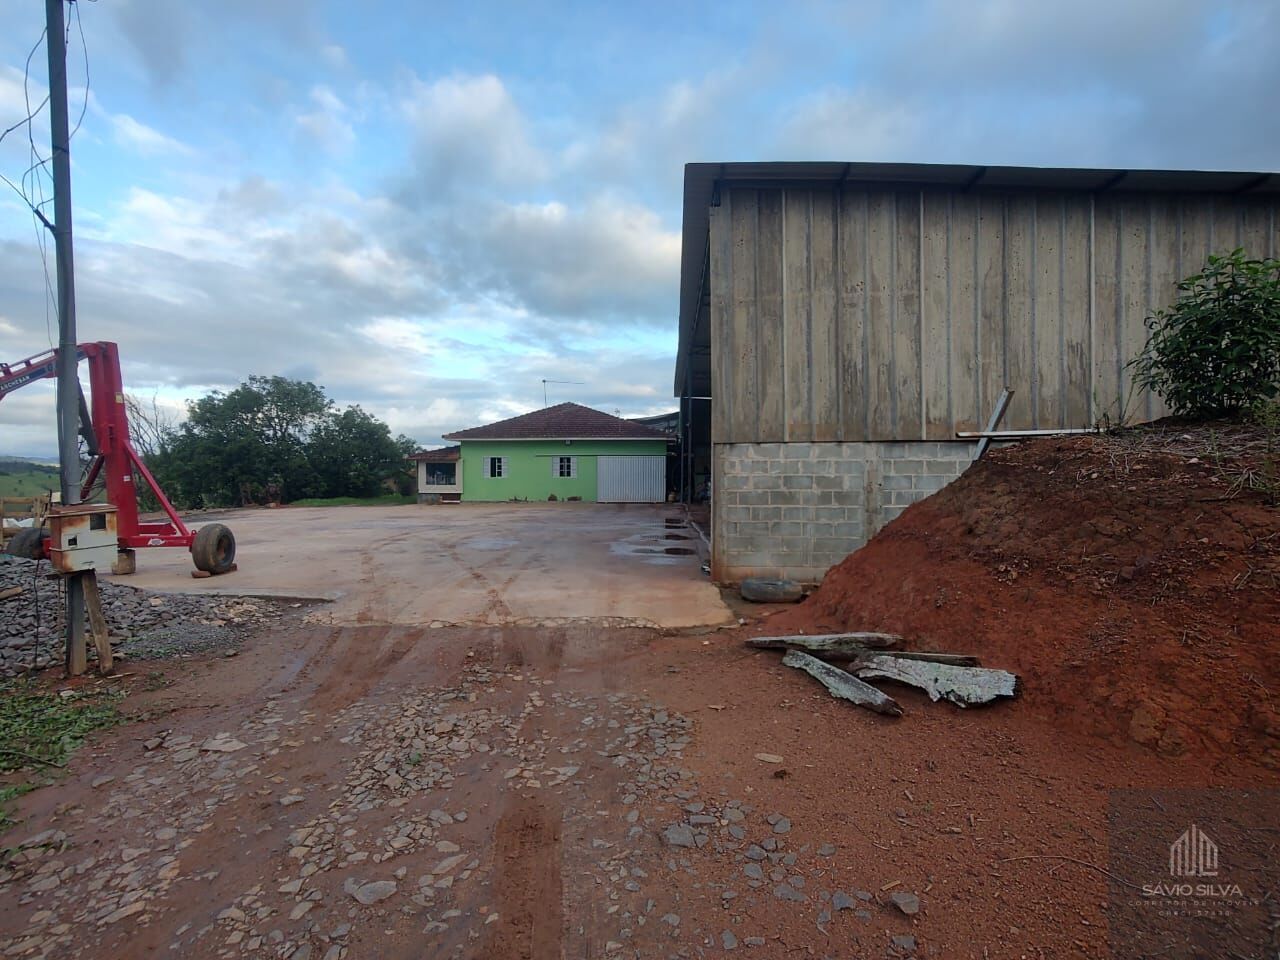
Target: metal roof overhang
{"x": 657, "y": 435}
{"x": 701, "y": 180}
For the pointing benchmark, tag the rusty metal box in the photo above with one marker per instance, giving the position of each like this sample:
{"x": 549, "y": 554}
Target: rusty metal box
{"x": 83, "y": 537}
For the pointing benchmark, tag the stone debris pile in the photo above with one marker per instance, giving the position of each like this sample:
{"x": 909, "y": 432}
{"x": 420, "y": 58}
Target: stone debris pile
{"x": 145, "y": 625}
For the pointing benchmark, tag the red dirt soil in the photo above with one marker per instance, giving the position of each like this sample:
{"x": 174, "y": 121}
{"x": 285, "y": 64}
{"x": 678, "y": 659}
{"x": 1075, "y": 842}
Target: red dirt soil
{"x": 1128, "y": 581}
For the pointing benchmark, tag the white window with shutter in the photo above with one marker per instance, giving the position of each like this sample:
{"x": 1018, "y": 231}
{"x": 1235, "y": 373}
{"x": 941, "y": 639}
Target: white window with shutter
{"x": 564, "y": 467}
{"x": 495, "y": 467}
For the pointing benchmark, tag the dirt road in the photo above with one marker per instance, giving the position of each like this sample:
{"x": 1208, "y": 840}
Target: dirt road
{"x": 570, "y": 792}
{"x": 578, "y": 790}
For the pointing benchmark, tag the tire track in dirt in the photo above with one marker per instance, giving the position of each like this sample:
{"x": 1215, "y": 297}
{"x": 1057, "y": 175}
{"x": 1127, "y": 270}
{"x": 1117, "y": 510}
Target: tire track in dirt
{"x": 495, "y": 604}
{"x": 374, "y": 595}
{"x": 528, "y": 880}
{"x": 354, "y": 670}
{"x": 528, "y": 854}
{"x": 495, "y": 610}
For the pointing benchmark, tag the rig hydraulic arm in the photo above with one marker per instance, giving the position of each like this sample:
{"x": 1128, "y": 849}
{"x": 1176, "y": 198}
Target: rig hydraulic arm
{"x": 104, "y": 424}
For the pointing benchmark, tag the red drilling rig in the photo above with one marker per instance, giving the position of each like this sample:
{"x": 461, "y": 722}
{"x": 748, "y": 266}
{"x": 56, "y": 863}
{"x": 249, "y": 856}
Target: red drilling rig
{"x": 105, "y": 428}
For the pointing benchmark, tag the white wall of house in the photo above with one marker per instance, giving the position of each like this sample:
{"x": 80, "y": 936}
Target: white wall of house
{"x": 426, "y": 484}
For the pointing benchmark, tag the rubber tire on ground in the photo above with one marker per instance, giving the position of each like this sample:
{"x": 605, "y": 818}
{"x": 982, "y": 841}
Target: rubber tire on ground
{"x": 26, "y": 543}
{"x": 214, "y": 548}
{"x": 764, "y": 590}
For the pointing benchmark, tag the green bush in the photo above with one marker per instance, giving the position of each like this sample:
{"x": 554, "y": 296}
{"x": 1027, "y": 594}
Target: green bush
{"x": 1216, "y": 351}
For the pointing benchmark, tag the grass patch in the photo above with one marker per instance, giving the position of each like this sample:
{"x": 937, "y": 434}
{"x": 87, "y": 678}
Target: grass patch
{"x": 43, "y": 729}
{"x": 39, "y": 730}
{"x": 27, "y": 483}
{"x": 8, "y": 794}
{"x": 156, "y": 680}
{"x": 386, "y": 500}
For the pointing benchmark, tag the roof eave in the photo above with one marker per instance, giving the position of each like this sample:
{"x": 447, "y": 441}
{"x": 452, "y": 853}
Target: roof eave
{"x": 454, "y": 436}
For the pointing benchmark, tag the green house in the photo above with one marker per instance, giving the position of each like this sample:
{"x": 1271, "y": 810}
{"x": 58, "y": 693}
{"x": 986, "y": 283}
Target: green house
{"x": 567, "y": 452}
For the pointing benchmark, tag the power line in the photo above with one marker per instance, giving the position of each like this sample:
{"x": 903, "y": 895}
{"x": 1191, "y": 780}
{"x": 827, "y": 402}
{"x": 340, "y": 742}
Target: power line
{"x": 30, "y": 115}
{"x": 84, "y": 107}
{"x": 26, "y": 121}
{"x": 39, "y": 164}
{"x": 38, "y": 219}
{"x": 32, "y": 182}
{"x": 42, "y": 241}
{"x": 34, "y": 152}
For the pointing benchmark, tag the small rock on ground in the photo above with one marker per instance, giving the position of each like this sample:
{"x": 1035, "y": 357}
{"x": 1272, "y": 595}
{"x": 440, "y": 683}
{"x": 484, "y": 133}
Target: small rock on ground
{"x": 908, "y": 903}
{"x": 679, "y": 835}
{"x": 370, "y": 893}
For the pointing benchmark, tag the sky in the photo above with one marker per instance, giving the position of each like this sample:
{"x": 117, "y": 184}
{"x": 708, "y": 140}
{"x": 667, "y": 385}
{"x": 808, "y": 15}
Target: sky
{"x": 430, "y": 208}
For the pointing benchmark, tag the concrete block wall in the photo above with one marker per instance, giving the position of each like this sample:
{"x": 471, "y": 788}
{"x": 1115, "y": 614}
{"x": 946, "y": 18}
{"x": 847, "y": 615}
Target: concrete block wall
{"x": 796, "y": 509}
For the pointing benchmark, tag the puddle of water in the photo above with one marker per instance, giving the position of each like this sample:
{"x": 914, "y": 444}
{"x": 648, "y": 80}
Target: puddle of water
{"x": 651, "y": 548}
{"x": 488, "y": 543}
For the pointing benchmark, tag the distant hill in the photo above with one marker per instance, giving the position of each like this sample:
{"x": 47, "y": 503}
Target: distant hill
{"x": 20, "y": 477}
{"x": 19, "y": 464}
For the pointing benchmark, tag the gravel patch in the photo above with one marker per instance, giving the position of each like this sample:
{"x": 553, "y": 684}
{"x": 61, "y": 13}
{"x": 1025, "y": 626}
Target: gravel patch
{"x": 143, "y": 625}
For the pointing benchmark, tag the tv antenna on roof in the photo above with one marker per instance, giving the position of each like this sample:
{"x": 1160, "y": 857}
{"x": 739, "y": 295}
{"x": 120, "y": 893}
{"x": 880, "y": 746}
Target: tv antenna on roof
{"x": 577, "y": 383}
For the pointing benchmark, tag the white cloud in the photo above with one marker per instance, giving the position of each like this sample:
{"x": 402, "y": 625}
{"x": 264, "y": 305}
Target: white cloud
{"x": 469, "y": 129}
{"x": 13, "y": 101}
{"x": 648, "y": 140}
{"x": 334, "y": 56}
{"x": 140, "y": 138}
{"x": 327, "y": 124}
{"x": 604, "y": 258}
{"x": 398, "y": 333}
{"x": 28, "y": 421}
{"x": 836, "y": 124}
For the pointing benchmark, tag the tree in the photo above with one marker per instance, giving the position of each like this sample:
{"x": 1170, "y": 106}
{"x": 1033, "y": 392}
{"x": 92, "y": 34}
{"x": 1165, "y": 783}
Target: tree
{"x": 151, "y": 427}
{"x": 353, "y": 454}
{"x": 245, "y": 446}
{"x": 275, "y": 439}
{"x": 1217, "y": 349}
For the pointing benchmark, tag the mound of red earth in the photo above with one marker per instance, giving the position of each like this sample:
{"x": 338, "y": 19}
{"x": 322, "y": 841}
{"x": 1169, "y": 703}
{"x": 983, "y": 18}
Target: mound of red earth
{"x": 1132, "y": 579}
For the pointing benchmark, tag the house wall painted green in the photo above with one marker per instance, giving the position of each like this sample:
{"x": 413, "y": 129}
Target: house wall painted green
{"x": 529, "y": 466}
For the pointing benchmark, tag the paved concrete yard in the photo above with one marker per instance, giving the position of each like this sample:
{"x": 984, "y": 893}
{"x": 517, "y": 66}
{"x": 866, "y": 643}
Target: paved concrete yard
{"x": 463, "y": 563}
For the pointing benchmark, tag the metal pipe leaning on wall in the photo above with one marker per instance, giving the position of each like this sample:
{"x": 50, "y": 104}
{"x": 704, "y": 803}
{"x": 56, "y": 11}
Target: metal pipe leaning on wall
{"x": 1015, "y": 434}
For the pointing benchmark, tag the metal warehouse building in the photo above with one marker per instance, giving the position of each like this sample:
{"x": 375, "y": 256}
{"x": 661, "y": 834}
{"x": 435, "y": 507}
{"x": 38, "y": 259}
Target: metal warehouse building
{"x": 839, "y": 322}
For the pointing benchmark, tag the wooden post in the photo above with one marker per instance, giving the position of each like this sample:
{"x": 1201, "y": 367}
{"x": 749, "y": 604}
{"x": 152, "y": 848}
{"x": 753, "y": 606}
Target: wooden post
{"x": 97, "y": 622}
{"x": 77, "y": 655}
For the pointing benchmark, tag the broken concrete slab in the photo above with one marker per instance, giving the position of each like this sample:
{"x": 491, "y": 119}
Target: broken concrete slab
{"x": 842, "y": 684}
{"x": 963, "y": 686}
{"x": 830, "y": 646}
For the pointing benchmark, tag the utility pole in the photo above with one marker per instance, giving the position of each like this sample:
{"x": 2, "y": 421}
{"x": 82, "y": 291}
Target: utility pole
{"x": 68, "y": 378}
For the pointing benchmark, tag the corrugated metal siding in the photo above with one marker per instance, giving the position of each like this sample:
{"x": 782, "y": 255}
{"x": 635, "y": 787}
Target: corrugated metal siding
{"x": 631, "y": 479}
{"x": 900, "y": 315}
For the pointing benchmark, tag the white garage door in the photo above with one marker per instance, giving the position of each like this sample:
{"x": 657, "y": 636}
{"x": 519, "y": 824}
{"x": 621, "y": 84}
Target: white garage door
{"x": 631, "y": 479}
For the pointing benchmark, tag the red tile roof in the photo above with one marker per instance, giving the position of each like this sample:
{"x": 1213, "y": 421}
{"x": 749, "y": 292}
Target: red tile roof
{"x": 564, "y": 421}
{"x": 438, "y": 455}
